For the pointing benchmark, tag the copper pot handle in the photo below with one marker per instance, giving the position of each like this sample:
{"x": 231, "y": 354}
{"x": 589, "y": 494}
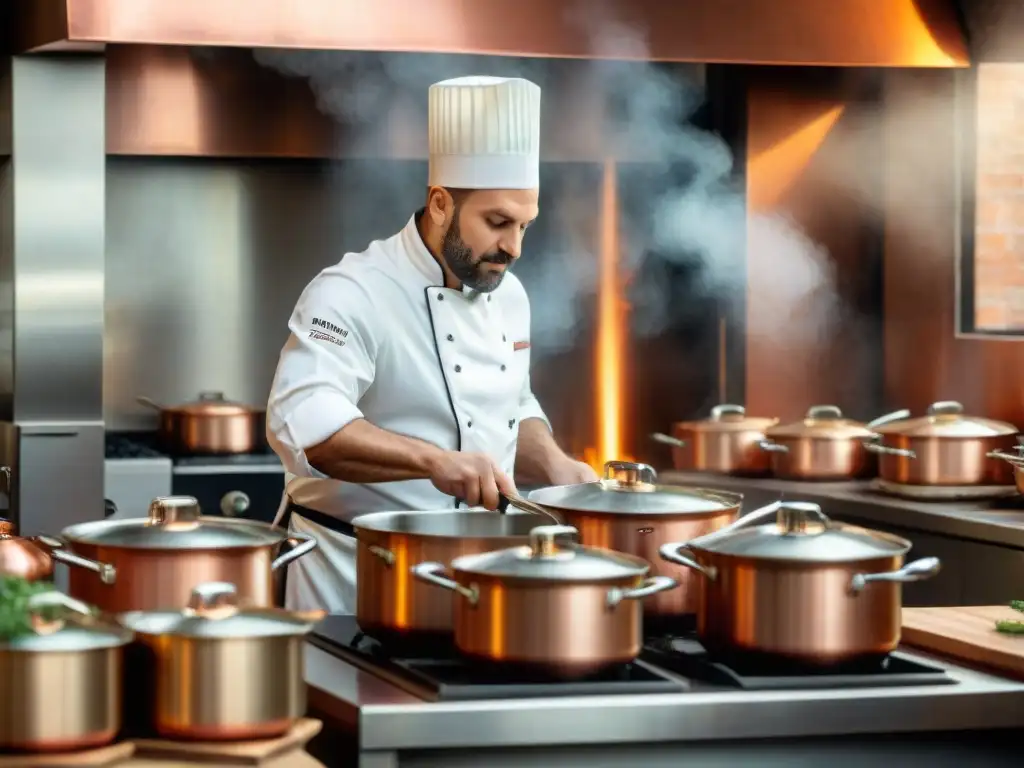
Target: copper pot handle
{"x": 673, "y": 553}
{"x": 384, "y": 554}
{"x": 432, "y": 574}
{"x": 772, "y": 447}
{"x": 301, "y": 544}
{"x": 875, "y": 447}
{"x": 143, "y": 400}
{"x": 888, "y": 418}
{"x": 919, "y": 570}
{"x": 1015, "y": 460}
{"x": 650, "y": 586}
{"x": 661, "y": 437}
{"x": 727, "y": 409}
{"x": 107, "y": 572}
{"x": 57, "y": 599}
{"x": 506, "y": 500}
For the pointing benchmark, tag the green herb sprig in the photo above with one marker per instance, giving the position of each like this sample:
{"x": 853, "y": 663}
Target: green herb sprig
{"x": 15, "y": 615}
{"x": 1009, "y": 626}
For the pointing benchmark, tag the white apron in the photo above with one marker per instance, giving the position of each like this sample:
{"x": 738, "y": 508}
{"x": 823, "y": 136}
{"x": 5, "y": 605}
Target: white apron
{"x": 377, "y": 336}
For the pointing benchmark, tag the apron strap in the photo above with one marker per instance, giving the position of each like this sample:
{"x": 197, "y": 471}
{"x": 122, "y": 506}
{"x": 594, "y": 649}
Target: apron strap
{"x": 289, "y": 508}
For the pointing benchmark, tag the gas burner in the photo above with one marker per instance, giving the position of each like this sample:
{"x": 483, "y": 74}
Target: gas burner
{"x": 447, "y": 677}
{"x": 687, "y": 657}
{"x": 943, "y": 492}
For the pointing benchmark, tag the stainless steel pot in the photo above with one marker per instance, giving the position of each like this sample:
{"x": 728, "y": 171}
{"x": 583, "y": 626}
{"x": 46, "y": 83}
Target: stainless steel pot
{"x": 628, "y": 511}
{"x": 950, "y": 449}
{"x": 566, "y": 610}
{"x": 61, "y": 684}
{"x": 209, "y": 425}
{"x": 160, "y": 558}
{"x": 802, "y": 588}
{"x": 219, "y": 672}
{"x": 393, "y": 606}
{"x": 728, "y": 442}
{"x": 825, "y": 446}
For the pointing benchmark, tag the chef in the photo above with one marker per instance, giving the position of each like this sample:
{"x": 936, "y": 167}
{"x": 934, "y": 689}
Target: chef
{"x": 405, "y": 382}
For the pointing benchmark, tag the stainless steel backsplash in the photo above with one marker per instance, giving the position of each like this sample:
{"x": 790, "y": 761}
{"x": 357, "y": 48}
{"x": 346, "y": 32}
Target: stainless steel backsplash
{"x": 205, "y": 260}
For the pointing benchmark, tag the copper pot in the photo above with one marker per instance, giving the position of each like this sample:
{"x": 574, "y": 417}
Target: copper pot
{"x": 951, "y": 449}
{"x": 393, "y": 606}
{"x": 566, "y": 610}
{"x": 158, "y": 559}
{"x": 216, "y": 671}
{"x": 728, "y": 442}
{"x": 825, "y": 446}
{"x": 628, "y": 511}
{"x": 61, "y": 684}
{"x": 209, "y": 425}
{"x": 20, "y": 557}
{"x": 802, "y": 588}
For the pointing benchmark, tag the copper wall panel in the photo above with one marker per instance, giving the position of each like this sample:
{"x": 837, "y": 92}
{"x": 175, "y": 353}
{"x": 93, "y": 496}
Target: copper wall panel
{"x": 812, "y": 141}
{"x": 917, "y": 33}
{"x": 925, "y": 360}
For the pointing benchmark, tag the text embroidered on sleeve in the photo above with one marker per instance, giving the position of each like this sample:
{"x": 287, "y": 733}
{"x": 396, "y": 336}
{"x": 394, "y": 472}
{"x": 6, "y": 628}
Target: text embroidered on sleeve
{"x": 520, "y": 345}
{"x": 327, "y": 331}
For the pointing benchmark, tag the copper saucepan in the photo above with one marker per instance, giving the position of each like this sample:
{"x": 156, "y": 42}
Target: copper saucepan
{"x": 564, "y": 609}
{"x": 826, "y": 446}
{"x": 209, "y": 425}
{"x": 802, "y": 588}
{"x": 728, "y": 442}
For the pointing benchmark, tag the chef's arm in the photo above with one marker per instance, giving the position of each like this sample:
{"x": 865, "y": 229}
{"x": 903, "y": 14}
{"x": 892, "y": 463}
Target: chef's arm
{"x": 361, "y": 452}
{"x": 536, "y": 452}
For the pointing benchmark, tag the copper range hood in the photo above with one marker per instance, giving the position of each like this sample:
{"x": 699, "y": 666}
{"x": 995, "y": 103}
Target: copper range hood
{"x": 876, "y": 33}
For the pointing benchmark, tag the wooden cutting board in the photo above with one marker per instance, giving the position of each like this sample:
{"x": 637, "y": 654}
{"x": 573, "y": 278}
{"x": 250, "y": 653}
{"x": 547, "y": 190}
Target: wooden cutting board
{"x": 967, "y": 633}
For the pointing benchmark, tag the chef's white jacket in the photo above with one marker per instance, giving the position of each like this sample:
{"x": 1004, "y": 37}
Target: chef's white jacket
{"x": 378, "y": 336}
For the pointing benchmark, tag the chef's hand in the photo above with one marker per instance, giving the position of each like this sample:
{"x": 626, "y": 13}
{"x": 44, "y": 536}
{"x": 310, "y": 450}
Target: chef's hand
{"x": 472, "y": 477}
{"x": 568, "y": 471}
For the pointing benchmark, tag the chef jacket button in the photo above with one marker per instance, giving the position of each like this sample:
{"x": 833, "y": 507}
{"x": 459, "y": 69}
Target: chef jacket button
{"x": 450, "y": 337}
{"x": 511, "y": 423}
{"x": 488, "y": 298}
{"x": 503, "y": 367}
{"x": 458, "y": 368}
{"x": 469, "y": 423}
{"x": 440, "y": 297}
{"x": 503, "y": 337}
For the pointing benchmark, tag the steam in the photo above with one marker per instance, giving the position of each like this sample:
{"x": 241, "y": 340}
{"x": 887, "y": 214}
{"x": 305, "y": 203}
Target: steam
{"x": 689, "y": 216}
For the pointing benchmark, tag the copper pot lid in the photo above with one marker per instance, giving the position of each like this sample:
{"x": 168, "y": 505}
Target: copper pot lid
{"x": 947, "y": 419}
{"x": 175, "y": 522}
{"x": 547, "y": 559}
{"x": 214, "y": 611}
{"x": 60, "y": 624}
{"x": 826, "y": 422}
{"x": 801, "y": 533}
{"x": 207, "y": 404}
{"x": 728, "y": 418}
{"x": 629, "y": 488}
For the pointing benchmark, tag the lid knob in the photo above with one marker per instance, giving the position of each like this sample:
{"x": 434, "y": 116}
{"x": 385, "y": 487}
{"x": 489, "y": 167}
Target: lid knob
{"x": 629, "y": 476}
{"x": 213, "y": 597}
{"x": 726, "y": 410}
{"x": 211, "y": 397}
{"x": 824, "y": 412}
{"x": 543, "y": 539}
{"x": 945, "y": 408}
{"x": 796, "y": 517}
{"x": 180, "y": 512}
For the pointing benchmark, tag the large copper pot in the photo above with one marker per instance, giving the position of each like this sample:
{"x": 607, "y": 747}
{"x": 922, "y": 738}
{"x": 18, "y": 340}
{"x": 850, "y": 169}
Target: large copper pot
{"x": 209, "y": 425}
{"x": 61, "y": 684}
{"x": 565, "y": 610}
{"x": 802, "y": 588}
{"x": 825, "y": 446}
{"x": 950, "y": 449}
{"x": 158, "y": 559}
{"x": 728, "y": 442}
{"x": 628, "y": 511}
{"x": 216, "y": 671}
{"x": 393, "y": 606}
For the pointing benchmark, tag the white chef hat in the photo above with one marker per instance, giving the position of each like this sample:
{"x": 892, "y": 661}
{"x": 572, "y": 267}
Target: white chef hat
{"x": 484, "y": 133}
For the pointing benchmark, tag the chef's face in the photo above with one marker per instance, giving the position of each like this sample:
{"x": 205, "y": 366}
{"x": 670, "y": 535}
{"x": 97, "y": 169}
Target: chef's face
{"x": 484, "y": 231}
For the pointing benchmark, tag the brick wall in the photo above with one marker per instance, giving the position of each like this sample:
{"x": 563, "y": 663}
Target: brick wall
{"x": 999, "y": 199}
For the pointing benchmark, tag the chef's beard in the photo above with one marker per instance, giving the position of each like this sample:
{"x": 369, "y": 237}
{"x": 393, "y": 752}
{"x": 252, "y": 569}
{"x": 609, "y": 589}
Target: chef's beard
{"x": 471, "y": 272}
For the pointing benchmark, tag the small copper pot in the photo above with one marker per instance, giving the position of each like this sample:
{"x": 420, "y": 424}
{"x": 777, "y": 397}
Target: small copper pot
{"x": 949, "y": 449}
{"x": 825, "y": 446}
{"x": 209, "y": 425}
{"x": 802, "y": 588}
{"x": 569, "y": 610}
{"x": 728, "y": 443}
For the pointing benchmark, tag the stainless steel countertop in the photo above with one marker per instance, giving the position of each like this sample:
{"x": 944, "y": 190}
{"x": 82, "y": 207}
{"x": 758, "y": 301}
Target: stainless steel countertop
{"x": 999, "y": 521}
{"x": 388, "y": 719}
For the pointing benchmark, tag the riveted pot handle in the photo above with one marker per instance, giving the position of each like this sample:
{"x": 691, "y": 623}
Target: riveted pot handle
{"x": 772, "y": 447}
{"x": 888, "y": 418}
{"x": 432, "y": 573}
{"x": 301, "y": 543}
{"x": 650, "y": 586}
{"x": 919, "y": 570}
{"x": 661, "y": 437}
{"x": 874, "y": 447}
{"x": 727, "y": 409}
{"x": 673, "y": 553}
{"x": 107, "y": 572}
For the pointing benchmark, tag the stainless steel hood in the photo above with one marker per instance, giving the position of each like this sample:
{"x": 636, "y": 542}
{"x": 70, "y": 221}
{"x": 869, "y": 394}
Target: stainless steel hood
{"x": 904, "y": 33}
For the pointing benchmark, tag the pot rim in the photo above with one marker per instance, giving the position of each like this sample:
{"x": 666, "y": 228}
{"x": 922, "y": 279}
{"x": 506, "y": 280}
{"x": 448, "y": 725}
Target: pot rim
{"x": 946, "y": 420}
{"x": 726, "y": 418}
{"x": 371, "y": 523}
